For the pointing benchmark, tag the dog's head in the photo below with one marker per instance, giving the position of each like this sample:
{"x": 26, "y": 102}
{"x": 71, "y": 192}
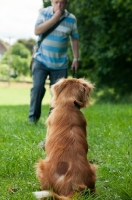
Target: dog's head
{"x": 75, "y": 90}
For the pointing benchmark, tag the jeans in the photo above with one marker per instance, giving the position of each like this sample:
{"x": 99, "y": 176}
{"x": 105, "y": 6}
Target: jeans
{"x": 39, "y": 75}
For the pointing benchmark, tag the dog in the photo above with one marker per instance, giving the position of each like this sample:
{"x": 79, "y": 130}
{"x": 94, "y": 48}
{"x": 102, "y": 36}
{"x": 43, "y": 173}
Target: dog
{"x": 66, "y": 170}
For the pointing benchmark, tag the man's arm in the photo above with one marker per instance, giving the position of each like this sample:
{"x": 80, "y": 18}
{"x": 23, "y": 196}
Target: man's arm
{"x": 42, "y": 28}
{"x": 75, "y": 50}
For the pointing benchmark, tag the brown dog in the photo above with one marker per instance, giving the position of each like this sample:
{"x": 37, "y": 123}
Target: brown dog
{"x": 66, "y": 169}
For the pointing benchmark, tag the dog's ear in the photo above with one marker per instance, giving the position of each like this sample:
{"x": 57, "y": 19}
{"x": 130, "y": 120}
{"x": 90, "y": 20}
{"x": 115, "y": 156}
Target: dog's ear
{"x": 85, "y": 88}
{"x": 58, "y": 87}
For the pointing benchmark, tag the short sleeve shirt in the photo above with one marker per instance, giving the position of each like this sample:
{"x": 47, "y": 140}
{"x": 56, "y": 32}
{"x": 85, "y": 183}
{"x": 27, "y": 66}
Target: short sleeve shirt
{"x": 53, "y": 49}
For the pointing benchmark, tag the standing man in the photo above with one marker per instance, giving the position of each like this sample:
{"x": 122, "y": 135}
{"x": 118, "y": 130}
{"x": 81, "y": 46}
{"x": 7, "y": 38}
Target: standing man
{"x": 51, "y": 57}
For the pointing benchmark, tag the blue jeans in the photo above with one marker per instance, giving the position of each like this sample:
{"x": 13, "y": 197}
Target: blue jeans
{"x": 39, "y": 74}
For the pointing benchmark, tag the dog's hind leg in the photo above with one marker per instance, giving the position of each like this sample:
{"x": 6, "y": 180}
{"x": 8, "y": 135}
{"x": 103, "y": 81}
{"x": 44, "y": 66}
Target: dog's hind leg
{"x": 43, "y": 173}
{"x": 92, "y": 179}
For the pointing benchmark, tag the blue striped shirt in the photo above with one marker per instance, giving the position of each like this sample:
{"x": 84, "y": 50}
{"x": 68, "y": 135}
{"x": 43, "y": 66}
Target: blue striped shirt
{"x": 53, "y": 49}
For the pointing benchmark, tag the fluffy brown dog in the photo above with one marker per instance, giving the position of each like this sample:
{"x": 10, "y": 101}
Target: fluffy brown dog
{"x": 66, "y": 169}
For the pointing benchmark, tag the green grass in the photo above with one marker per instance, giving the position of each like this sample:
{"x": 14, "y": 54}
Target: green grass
{"x": 18, "y": 94}
{"x": 109, "y": 138}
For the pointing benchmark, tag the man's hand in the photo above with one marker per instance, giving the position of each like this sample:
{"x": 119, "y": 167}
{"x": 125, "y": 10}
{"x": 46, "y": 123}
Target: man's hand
{"x": 75, "y": 65}
{"x": 42, "y": 28}
{"x": 57, "y": 15}
{"x": 74, "y": 68}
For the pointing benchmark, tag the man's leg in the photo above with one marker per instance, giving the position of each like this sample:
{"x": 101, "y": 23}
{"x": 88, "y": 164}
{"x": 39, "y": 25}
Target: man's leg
{"x": 39, "y": 73}
{"x": 55, "y": 75}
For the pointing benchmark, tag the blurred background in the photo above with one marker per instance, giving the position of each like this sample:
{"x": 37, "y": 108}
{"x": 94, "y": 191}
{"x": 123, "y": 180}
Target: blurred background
{"x": 105, "y": 32}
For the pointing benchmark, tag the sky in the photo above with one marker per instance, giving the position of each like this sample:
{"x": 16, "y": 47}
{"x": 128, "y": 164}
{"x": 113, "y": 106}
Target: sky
{"x": 17, "y": 19}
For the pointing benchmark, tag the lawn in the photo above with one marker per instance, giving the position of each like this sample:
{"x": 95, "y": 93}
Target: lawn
{"x": 18, "y": 94}
{"x": 109, "y": 138}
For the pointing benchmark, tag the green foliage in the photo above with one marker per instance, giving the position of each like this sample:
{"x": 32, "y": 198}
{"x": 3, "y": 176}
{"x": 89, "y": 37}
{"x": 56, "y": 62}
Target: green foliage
{"x": 105, "y": 30}
{"x": 46, "y": 3}
{"x": 29, "y": 44}
{"x": 3, "y": 69}
{"x": 19, "y": 49}
{"x": 18, "y": 57}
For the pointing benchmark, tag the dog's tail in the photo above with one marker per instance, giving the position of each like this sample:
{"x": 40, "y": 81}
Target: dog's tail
{"x": 46, "y": 193}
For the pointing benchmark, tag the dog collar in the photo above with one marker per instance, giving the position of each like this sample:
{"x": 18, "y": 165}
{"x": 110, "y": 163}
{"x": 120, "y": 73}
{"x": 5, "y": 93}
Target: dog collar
{"x": 77, "y": 105}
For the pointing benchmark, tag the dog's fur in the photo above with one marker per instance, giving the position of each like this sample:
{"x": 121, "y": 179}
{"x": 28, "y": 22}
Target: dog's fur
{"x": 66, "y": 169}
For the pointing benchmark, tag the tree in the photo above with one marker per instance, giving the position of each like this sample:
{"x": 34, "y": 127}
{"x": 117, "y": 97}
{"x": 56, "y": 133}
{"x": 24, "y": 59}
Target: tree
{"x": 29, "y": 44}
{"x": 105, "y": 42}
{"x": 19, "y": 57}
{"x": 46, "y": 3}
